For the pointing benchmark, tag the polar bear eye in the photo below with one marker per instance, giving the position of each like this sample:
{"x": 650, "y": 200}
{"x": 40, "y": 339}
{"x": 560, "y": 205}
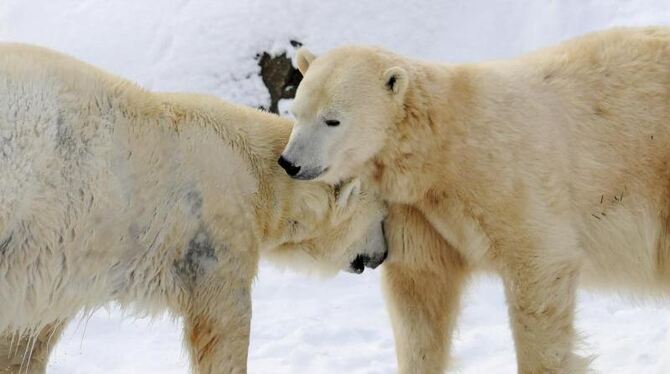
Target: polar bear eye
{"x": 332, "y": 122}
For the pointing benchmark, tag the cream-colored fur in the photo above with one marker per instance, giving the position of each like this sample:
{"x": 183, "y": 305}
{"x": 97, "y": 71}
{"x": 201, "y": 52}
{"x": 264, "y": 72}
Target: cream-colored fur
{"x": 155, "y": 201}
{"x": 551, "y": 169}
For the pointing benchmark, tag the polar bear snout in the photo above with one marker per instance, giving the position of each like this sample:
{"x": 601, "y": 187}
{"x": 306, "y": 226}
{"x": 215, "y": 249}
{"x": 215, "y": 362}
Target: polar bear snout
{"x": 375, "y": 251}
{"x": 299, "y": 172}
{"x": 363, "y": 261}
{"x": 287, "y": 165}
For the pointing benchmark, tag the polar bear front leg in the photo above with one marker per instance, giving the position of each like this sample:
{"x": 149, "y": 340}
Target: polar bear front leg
{"x": 423, "y": 280}
{"x": 541, "y": 292}
{"x": 29, "y": 353}
{"x": 216, "y": 328}
{"x": 216, "y": 306}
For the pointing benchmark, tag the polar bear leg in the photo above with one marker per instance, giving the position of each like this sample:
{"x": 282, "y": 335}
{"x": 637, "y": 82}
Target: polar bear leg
{"x": 29, "y": 353}
{"x": 217, "y": 316}
{"x": 423, "y": 281}
{"x": 541, "y": 297}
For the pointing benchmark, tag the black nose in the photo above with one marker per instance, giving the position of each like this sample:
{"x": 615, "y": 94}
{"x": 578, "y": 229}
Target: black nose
{"x": 291, "y": 169}
{"x": 358, "y": 264}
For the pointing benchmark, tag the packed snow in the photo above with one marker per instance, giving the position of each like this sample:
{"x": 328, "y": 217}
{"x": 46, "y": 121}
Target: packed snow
{"x": 301, "y": 324}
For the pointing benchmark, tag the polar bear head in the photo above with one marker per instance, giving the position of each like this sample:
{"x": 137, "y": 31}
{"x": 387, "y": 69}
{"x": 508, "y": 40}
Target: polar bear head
{"x": 332, "y": 228}
{"x": 344, "y": 109}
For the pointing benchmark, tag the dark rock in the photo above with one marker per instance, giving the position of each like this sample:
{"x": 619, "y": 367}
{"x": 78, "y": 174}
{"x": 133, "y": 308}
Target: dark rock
{"x": 279, "y": 76}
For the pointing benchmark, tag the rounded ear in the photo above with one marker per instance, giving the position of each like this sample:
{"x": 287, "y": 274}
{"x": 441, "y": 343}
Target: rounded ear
{"x": 303, "y": 58}
{"x": 346, "y": 192}
{"x": 396, "y": 81}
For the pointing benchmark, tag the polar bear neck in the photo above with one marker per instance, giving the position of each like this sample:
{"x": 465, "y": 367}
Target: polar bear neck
{"x": 416, "y": 154}
{"x": 276, "y": 203}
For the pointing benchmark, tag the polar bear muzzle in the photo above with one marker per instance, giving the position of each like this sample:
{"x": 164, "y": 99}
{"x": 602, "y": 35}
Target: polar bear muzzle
{"x": 361, "y": 262}
{"x": 287, "y": 165}
{"x": 376, "y": 251}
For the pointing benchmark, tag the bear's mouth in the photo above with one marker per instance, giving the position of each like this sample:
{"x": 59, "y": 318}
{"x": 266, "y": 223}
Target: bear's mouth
{"x": 311, "y": 174}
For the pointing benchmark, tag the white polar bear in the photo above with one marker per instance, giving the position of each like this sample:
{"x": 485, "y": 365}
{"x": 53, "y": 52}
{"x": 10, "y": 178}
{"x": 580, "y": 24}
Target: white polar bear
{"x": 552, "y": 170}
{"x": 155, "y": 201}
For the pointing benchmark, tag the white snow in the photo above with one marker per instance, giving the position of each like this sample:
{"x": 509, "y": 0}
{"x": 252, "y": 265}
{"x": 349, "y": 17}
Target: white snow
{"x": 304, "y": 325}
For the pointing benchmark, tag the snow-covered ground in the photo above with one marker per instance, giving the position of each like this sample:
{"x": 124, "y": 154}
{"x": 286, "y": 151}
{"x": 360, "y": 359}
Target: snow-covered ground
{"x": 304, "y": 325}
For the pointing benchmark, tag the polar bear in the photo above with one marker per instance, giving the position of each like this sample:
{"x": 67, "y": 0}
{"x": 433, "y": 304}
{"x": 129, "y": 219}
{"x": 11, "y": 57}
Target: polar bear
{"x": 155, "y": 201}
{"x": 551, "y": 169}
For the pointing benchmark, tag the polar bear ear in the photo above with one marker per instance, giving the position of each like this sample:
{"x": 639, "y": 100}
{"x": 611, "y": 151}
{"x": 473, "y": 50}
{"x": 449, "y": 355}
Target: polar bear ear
{"x": 396, "y": 81}
{"x": 346, "y": 192}
{"x": 303, "y": 58}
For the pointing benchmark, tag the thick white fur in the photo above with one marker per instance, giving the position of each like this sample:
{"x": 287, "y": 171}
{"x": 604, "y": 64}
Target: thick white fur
{"x": 551, "y": 169}
{"x": 155, "y": 201}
